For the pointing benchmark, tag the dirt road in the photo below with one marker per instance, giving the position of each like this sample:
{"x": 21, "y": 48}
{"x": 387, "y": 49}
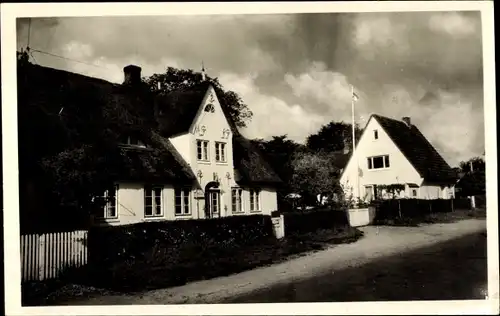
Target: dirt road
{"x": 378, "y": 243}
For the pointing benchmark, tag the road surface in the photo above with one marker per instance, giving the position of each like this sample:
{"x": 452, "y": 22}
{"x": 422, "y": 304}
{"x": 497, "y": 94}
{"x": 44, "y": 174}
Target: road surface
{"x": 453, "y": 270}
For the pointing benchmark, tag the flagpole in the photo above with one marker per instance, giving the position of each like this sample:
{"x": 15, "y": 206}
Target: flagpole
{"x": 354, "y": 140}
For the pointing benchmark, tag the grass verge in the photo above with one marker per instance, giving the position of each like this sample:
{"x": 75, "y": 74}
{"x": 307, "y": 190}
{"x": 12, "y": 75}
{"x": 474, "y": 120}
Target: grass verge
{"x": 140, "y": 276}
{"x": 436, "y": 218}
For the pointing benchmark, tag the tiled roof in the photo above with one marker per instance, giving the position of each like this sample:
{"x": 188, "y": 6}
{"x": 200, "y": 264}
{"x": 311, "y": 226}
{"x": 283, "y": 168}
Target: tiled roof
{"x": 418, "y": 150}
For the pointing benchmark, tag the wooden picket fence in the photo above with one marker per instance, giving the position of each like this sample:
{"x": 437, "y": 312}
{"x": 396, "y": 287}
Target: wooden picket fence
{"x": 45, "y": 256}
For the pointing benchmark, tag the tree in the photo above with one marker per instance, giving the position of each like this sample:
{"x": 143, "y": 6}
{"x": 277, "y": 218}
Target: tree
{"x": 333, "y": 137}
{"x": 473, "y": 181}
{"x": 179, "y": 79}
{"x": 314, "y": 174}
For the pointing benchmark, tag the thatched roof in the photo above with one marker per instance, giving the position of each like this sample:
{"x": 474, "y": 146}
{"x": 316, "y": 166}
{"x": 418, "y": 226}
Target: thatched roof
{"x": 250, "y": 164}
{"x": 85, "y": 98}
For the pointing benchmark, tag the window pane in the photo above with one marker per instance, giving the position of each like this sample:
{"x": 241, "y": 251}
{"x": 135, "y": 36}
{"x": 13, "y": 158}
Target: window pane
{"x": 157, "y": 191}
{"x": 148, "y": 210}
{"x": 378, "y": 162}
{"x": 157, "y": 200}
{"x": 217, "y": 152}
{"x": 386, "y": 158}
{"x": 375, "y": 134}
{"x": 178, "y": 200}
{"x": 158, "y": 209}
{"x": 370, "y": 166}
{"x": 198, "y": 147}
{"x": 257, "y": 200}
{"x": 178, "y": 209}
{"x": 223, "y": 152}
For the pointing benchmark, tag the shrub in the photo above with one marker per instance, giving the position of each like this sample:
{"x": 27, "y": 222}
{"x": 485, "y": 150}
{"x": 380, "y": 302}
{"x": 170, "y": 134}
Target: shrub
{"x": 167, "y": 241}
{"x": 397, "y": 209}
{"x": 309, "y": 221}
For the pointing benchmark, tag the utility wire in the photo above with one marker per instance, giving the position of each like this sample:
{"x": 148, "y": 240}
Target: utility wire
{"x": 66, "y": 58}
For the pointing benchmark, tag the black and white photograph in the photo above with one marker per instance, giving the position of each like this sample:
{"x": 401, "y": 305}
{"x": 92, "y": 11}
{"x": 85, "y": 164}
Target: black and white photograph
{"x": 166, "y": 156}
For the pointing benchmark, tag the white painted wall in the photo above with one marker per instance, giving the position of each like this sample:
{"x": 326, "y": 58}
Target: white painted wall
{"x": 216, "y": 129}
{"x": 400, "y": 170}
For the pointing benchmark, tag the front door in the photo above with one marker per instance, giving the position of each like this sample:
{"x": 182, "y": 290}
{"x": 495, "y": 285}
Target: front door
{"x": 214, "y": 203}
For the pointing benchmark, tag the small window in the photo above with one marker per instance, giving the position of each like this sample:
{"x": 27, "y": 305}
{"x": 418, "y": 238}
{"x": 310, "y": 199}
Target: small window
{"x": 375, "y": 134}
{"x": 220, "y": 152}
{"x": 413, "y": 192}
{"x": 182, "y": 201}
{"x": 254, "y": 200}
{"x": 210, "y": 108}
{"x": 202, "y": 150}
{"x": 153, "y": 201}
{"x": 236, "y": 201}
{"x": 110, "y": 209}
{"x": 378, "y": 162}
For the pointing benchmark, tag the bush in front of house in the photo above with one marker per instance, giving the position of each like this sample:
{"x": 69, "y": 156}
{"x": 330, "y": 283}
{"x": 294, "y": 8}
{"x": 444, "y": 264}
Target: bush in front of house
{"x": 169, "y": 252}
{"x": 409, "y": 211}
{"x": 310, "y": 221}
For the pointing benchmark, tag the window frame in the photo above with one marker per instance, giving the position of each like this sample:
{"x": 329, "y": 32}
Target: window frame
{"x": 375, "y": 134}
{"x": 385, "y": 162}
{"x": 183, "y": 205}
{"x": 237, "y": 200}
{"x": 220, "y": 150}
{"x": 106, "y": 206}
{"x": 203, "y": 149}
{"x": 255, "y": 200}
{"x": 152, "y": 189}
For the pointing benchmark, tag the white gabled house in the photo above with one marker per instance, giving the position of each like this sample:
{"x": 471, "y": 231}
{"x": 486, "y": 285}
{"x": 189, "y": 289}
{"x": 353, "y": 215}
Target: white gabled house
{"x": 393, "y": 152}
{"x": 196, "y": 165}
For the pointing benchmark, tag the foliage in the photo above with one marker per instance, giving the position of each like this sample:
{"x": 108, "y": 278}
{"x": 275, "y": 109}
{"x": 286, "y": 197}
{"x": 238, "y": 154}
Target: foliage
{"x": 131, "y": 242}
{"x": 315, "y": 173}
{"x": 473, "y": 181}
{"x": 302, "y": 222}
{"x": 405, "y": 209}
{"x": 333, "y": 137}
{"x": 179, "y": 79}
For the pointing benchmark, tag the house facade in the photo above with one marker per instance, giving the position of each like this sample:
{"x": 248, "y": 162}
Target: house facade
{"x": 194, "y": 165}
{"x": 394, "y": 154}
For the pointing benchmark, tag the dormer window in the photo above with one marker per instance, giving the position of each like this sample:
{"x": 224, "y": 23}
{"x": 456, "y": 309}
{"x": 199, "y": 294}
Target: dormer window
{"x": 210, "y": 108}
{"x": 375, "y": 134}
{"x": 132, "y": 141}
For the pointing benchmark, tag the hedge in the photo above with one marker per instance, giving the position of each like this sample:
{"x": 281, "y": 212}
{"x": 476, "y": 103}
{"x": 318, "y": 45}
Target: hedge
{"x": 108, "y": 245}
{"x": 309, "y": 221}
{"x": 410, "y": 208}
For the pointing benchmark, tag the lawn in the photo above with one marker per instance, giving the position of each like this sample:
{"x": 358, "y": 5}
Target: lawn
{"x": 133, "y": 278}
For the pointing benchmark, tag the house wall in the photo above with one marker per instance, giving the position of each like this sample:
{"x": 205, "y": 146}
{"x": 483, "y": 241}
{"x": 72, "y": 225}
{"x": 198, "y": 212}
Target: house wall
{"x": 212, "y": 127}
{"x": 183, "y": 145}
{"x": 400, "y": 170}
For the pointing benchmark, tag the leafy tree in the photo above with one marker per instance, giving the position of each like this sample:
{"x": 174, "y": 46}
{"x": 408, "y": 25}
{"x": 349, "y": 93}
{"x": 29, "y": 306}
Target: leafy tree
{"x": 315, "y": 174}
{"x": 473, "y": 181}
{"x": 332, "y": 137}
{"x": 178, "y": 79}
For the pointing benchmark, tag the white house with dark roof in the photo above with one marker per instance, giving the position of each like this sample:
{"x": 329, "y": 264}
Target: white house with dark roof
{"x": 392, "y": 152}
{"x": 194, "y": 165}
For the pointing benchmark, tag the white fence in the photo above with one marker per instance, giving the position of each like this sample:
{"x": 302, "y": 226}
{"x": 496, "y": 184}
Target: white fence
{"x": 44, "y": 256}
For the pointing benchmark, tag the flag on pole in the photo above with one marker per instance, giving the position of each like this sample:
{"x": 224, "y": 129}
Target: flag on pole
{"x": 355, "y": 97}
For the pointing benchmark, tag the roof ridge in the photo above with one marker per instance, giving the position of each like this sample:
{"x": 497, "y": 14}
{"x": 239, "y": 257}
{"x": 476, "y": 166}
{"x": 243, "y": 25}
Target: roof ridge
{"x": 73, "y": 73}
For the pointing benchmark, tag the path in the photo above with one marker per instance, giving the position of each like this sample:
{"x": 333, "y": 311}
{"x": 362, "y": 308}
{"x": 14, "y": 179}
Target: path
{"x": 379, "y": 242}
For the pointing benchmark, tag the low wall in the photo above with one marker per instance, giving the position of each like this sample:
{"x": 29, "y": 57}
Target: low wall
{"x": 362, "y": 216}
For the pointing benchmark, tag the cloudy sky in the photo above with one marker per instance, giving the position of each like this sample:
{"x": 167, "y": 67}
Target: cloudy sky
{"x": 294, "y": 70}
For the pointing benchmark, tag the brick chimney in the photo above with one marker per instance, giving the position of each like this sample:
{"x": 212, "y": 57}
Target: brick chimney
{"x": 132, "y": 74}
{"x": 407, "y": 120}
